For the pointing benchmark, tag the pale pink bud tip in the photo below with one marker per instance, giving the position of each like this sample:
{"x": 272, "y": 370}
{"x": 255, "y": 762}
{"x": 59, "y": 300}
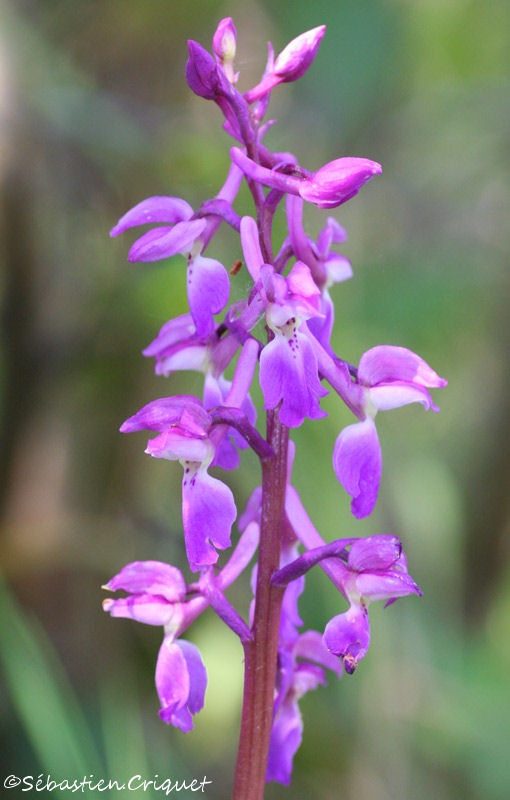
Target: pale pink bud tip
{"x": 224, "y": 41}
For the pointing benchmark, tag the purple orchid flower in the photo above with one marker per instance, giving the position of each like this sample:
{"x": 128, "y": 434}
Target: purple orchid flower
{"x": 288, "y": 367}
{"x": 208, "y": 507}
{"x": 376, "y": 570}
{"x": 389, "y": 377}
{"x": 178, "y": 347}
{"x": 157, "y": 594}
{"x": 338, "y": 181}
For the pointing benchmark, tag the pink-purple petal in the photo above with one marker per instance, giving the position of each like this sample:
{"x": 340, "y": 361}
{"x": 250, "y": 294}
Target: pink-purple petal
{"x": 174, "y": 331}
{"x": 322, "y": 326}
{"x": 357, "y": 463}
{"x": 374, "y": 552}
{"x": 252, "y": 510}
{"x": 390, "y": 363}
{"x": 288, "y": 373}
{"x": 348, "y": 636}
{"x": 173, "y": 685}
{"x": 183, "y": 357}
{"x": 226, "y": 455}
{"x": 147, "y": 608}
{"x": 197, "y": 675}
{"x": 251, "y": 246}
{"x": 154, "y": 577}
{"x": 174, "y": 446}
{"x": 286, "y": 735}
{"x": 338, "y": 181}
{"x": 311, "y": 647}
{"x": 385, "y": 396}
{"x": 172, "y": 679}
{"x": 385, "y": 585}
{"x": 301, "y": 283}
{"x": 165, "y": 242}
{"x": 208, "y": 291}
{"x": 297, "y": 56}
{"x": 154, "y": 210}
{"x": 208, "y": 512}
{"x": 338, "y": 268}
{"x": 158, "y": 415}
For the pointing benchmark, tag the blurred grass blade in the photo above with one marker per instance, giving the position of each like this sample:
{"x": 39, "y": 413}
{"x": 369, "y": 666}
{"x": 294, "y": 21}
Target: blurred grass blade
{"x": 123, "y": 735}
{"x": 42, "y": 695}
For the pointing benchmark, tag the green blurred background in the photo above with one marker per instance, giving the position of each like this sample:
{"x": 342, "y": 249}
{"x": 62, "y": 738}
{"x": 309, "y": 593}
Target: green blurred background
{"x": 95, "y": 115}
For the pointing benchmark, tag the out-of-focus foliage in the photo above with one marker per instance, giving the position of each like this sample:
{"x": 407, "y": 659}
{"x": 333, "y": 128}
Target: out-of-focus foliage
{"x": 95, "y": 116}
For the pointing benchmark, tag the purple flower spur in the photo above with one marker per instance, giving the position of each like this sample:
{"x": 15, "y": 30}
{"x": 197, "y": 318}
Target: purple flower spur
{"x": 279, "y": 333}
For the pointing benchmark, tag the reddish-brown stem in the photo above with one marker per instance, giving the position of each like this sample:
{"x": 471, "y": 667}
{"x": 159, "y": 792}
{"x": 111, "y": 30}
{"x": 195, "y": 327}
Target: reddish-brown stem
{"x": 261, "y": 653}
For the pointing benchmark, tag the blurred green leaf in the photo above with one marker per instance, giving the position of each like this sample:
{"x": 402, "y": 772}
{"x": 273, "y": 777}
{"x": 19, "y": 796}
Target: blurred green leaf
{"x": 43, "y": 697}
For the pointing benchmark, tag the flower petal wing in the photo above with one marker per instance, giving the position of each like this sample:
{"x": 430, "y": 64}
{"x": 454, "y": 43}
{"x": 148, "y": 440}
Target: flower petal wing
{"x": 386, "y": 585}
{"x": 357, "y": 464}
{"x": 374, "y": 552}
{"x": 146, "y": 608}
{"x": 385, "y": 396}
{"x": 208, "y": 291}
{"x": 174, "y": 331}
{"x": 251, "y": 246}
{"x": 197, "y": 675}
{"x": 389, "y": 363}
{"x": 173, "y": 685}
{"x": 154, "y": 210}
{"x": 286, "y": 735}
{"x": 165, "y": 242}
{"x": 208, "y": 512}
{"x": 154, "y": 577}
{"x": 288, "y": 373}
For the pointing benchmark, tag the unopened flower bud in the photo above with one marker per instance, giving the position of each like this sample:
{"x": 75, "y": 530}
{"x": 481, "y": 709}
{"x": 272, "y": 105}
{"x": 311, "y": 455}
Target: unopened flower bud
{"x": 224, "y": 41}
{"x": 202, "y": 72}
{"x": 295, "y": 59}
{"x": 338, "y": 181}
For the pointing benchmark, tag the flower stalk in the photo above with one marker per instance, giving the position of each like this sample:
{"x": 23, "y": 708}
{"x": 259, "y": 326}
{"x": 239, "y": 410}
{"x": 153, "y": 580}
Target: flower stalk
{"x": 261, "y": 653}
